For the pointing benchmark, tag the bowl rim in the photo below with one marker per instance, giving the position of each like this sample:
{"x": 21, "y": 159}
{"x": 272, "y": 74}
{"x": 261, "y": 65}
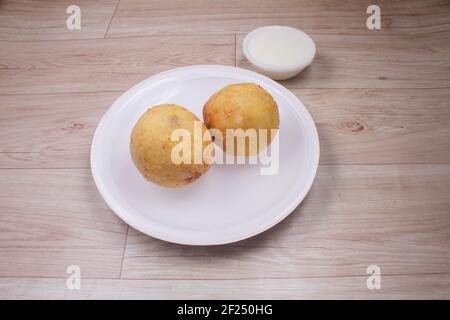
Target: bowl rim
{"x": 272, "y": 68}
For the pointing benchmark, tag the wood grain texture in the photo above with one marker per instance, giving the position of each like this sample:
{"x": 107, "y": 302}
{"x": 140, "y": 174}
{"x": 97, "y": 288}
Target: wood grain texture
{"x": 380, "y": 100}
{"x": 373, "y": 61}
{"x": 375, "y": 139}
{"x": 51, "y": 219}
{"x": 392, "y": 287}
{"x": 46, "y": 19}
{"x": 355, "y": 102}
{"x": 355, "y": 126}
{"x": 103, "y": 64}
{"x": 143, "y": 17}
{"x": 396, "y": 217}
{"x": 50, "y": 130}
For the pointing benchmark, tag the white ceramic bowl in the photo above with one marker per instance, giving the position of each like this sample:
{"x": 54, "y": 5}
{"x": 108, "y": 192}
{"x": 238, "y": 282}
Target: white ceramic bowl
{"x": 279, "y": 71}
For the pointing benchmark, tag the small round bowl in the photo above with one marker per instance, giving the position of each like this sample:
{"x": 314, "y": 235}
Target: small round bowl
{"x": 280, "y": 72}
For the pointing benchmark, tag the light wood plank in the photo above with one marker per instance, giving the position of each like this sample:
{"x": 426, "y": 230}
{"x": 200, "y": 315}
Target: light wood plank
{"x": 378, "y": 97}
{"x": 375, "y": 101}
{"x": 396, "y": 217}
{"x": 373, "y": 61}
{"x": 50, "y": 219}
{"x": 139, "y": 17}
{"x": 369, "y": 139}
{"x": 355, "y": 126}
{"x": 46, "y": 19}
{"x": 50, "y": 130}
{"x": 104, "y": 64}
{"x": 392, "y": 287}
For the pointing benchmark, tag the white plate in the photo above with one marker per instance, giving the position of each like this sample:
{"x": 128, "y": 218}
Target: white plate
{"x": 228, "y": 203}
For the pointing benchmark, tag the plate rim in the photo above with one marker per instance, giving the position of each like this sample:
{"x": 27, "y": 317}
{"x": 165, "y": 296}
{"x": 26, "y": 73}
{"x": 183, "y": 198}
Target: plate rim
{"x": 135, "y": 89}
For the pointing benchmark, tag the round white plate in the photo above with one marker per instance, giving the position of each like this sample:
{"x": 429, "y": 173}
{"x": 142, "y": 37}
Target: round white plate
{"x": 229, "y": 202}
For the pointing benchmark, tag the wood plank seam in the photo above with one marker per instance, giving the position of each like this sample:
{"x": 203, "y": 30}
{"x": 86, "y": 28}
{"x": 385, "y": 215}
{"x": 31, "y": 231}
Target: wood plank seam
{"x": 320, "y": 165}
{"x": 328, "y": 88}
{"x": 238, "y": 278}
{"x": 235, "y": 50}
{"x": 123, "y": 254}
{"x": 112, "y": 17}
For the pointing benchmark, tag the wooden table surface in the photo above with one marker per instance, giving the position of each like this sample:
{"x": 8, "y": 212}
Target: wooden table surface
{"x": 380, "y": 99}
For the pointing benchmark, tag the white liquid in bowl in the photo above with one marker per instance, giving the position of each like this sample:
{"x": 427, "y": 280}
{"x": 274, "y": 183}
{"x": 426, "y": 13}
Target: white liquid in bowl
{"x": 279, "y": 52}
{"x": 281, "y": 47}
